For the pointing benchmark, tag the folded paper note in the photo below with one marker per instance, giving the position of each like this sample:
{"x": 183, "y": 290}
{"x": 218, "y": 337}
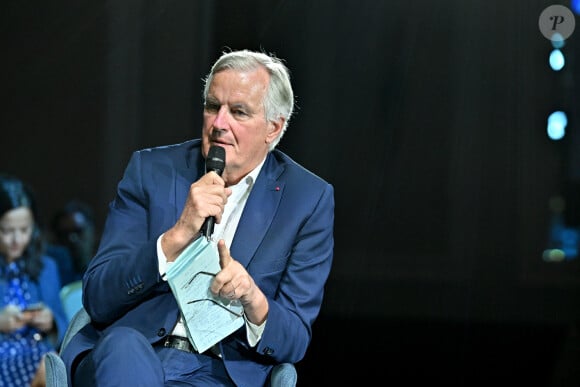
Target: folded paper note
{"x": 208, "y": 318}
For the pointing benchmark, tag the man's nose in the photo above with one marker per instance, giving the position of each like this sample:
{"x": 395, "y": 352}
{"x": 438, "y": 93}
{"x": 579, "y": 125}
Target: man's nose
{"x": 221, "y": 119}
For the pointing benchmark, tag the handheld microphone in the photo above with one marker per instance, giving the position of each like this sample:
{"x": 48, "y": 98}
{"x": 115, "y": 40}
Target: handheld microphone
{"x": 216, "y": 162}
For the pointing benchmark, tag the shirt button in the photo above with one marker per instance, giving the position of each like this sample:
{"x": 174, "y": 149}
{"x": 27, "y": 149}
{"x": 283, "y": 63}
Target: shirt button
{"x": 161, "y": 332}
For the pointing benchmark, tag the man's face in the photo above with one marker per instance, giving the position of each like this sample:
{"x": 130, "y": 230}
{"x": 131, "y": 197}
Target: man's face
{"x": 234, "y": 119}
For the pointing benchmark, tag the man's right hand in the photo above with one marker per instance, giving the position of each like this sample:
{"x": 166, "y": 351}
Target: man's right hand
{"x": 207, "y": 197}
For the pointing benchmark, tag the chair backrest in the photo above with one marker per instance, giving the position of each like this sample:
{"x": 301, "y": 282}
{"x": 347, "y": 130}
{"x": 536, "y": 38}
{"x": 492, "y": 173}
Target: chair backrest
{"x": 71, "y": 297}
{"x": 79, "y": 320}
{"x": 54, "y": 365}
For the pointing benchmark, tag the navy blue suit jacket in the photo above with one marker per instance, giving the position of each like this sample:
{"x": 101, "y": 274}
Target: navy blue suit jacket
{"x": 284, "y": 240}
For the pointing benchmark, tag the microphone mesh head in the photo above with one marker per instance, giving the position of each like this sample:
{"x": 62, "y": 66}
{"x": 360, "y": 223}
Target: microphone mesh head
{"x": 216, "y": 159}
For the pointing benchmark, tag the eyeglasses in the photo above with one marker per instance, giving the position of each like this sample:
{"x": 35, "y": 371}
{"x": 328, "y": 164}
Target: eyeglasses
{"x": 221, "y": 305}
{"x": 221, "y": 302}
{"x": 196, "y": 275}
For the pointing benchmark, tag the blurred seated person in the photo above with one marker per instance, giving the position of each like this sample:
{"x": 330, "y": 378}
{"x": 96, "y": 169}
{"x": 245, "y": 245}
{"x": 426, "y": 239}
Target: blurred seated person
{"x": 32, "y": 320}
{"x": 72, "y": 239}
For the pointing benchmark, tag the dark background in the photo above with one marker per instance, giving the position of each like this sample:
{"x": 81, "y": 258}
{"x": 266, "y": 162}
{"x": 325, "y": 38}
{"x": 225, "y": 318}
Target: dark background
{"x": 428, "y": 117}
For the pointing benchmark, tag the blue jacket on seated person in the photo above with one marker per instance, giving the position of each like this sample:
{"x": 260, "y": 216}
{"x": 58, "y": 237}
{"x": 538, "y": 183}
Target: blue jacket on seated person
{"x": 46, "y": 291}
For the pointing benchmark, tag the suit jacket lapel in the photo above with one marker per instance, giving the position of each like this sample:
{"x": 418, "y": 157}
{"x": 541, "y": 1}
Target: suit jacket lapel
{"x": 258, "y": 212}
{"x": 184, "y": 177}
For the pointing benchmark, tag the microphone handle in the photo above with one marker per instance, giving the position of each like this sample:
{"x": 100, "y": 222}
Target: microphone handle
{"x": 207, "y": 227}
{"x": 216, "y": 162}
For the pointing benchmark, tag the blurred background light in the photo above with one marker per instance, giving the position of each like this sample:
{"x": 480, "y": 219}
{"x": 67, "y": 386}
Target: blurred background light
{"x": 557, "y": 60}
{"x": 558, "y": 40}
{"x": 557, "y": 122}
{"x": 575, "y": 5}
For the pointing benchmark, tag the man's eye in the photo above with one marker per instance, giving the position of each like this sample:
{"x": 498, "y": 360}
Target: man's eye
{"x": 238, "y": 112}
{"x": 212, "y": 107}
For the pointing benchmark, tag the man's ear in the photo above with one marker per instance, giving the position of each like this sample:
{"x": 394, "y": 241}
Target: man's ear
{"x": 274, "y": 129}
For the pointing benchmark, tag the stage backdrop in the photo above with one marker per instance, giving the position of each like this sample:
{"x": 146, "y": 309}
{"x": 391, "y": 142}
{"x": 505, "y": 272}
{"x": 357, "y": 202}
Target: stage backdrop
{"x": 428, "y": 117}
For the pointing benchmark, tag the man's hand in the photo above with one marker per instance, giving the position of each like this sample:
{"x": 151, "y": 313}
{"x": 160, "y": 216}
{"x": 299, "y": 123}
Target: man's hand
{"x": 233, "y": 282}
{"x": 207, "y": 197}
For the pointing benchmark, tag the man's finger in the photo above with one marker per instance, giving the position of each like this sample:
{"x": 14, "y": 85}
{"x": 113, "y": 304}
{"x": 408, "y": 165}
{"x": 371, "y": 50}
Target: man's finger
{"x": 225, "y": 257}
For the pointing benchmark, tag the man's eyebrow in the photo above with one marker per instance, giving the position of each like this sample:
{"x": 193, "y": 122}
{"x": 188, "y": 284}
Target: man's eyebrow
{"x": 241, "y": 105}
{"x": 236, "y": 105}
{"x": 211, "y": 99}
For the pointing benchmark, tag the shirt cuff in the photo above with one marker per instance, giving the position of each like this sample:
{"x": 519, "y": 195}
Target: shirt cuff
{"x": 162, "y": 260}
{"x": 254, "y": 332}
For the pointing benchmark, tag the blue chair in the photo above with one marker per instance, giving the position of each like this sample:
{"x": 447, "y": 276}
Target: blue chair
{"x": 283, "y": 375}
{"x": 71, "y": 298}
